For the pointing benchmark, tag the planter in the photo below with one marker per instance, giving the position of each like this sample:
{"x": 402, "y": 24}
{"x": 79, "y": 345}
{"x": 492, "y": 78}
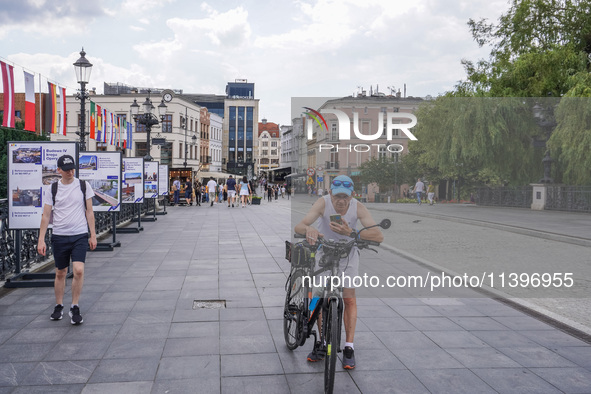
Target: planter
{"x": 256, "y": 201}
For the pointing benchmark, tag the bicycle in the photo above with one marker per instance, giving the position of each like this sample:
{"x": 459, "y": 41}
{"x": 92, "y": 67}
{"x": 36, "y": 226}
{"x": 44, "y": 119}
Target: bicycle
{"x": 298, "y": 319}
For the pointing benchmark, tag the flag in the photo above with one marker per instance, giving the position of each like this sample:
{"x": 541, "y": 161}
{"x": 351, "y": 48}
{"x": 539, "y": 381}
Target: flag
{"x": 99, "y": 123}
{"x": 29, "y": 102}
{"x": 118, "y": 131}
{"x": 8, "y": 85}
{"x": 124, "y": 126}
{"x": 52, "y": 108}
{"x": 104, "y": 125}
{"x": 92, "y": 122}
{"x": 129, "y": 134}
{"x": 63, "y": 110}
{"x": 112, "y": 129}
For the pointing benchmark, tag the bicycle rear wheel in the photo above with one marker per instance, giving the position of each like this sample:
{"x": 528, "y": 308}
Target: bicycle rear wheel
{"x": 294, "y": 309}
{"x": 332, "y": 346}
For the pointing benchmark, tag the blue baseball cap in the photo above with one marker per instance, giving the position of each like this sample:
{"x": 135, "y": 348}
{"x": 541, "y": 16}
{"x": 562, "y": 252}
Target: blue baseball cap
{"x": 342, "y": 184}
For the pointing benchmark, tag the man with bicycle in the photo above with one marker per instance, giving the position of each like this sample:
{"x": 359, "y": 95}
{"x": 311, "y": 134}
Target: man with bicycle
{"x": 345, "y": 211}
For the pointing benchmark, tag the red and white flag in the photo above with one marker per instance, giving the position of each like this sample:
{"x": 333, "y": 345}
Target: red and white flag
{"x": 8, "y": 85}
{"x": 29, "y": 102}
{"x": 63, "y": 110}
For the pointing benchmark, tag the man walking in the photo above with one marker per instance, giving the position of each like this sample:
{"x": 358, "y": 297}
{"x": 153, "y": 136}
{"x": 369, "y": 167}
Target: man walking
{"x": 231, "y": 185}
{"x": 177, "y": 190}
{"x": 73, "y": 218}
{"x": 419, "y": 189}
{"x": 211, "y": 188}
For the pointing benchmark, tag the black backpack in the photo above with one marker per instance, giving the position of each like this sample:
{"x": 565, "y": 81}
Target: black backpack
{"x": 82, "y": 187}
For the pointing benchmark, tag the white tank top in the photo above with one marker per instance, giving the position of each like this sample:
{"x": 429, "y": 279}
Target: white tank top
{"x": 324, "y": 223}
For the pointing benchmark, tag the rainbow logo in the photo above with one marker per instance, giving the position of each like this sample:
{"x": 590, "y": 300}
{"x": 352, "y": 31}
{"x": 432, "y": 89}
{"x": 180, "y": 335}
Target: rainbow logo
{"x": 316, "y": 115}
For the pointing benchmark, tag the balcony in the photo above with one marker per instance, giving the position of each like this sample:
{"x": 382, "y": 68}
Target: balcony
{"x": 332, "y": 165}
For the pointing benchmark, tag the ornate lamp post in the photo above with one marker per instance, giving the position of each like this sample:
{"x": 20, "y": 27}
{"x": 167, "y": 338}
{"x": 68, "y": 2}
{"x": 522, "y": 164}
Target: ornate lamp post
{"x": 185, "y": 121}
{"x": 83, "y": 68}
{"x": 148, "y": 119}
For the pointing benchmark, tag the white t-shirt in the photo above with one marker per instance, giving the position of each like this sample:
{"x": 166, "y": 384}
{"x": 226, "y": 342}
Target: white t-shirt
{"x": 69, "y": 214}
{"x": 211, "y": 186}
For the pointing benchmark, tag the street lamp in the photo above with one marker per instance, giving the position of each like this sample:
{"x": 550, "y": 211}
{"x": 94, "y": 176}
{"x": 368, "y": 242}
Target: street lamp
{"x": 147, "y": 118}
{"x": 186, "y": 147}
{"x": 83, "y": 68}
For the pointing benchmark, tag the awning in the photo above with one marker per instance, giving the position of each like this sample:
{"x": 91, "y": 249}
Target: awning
{"x": 295, "y": 175}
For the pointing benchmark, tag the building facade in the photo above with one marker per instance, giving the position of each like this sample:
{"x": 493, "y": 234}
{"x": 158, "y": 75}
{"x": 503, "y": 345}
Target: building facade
{"x": 329, "y": 156}
{"x": 269, "y": 146}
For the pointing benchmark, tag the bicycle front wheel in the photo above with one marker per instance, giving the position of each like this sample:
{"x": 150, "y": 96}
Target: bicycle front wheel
{"x": 294, "y": 309}
{"x": 332, "y": 346}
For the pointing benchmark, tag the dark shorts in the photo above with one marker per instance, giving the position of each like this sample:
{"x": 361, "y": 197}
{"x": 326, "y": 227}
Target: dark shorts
{"x": 66, "y": 247}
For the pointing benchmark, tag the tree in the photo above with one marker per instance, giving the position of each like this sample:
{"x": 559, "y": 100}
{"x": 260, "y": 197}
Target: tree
{"x": 386, "y": 172}
{"x": 477, "y": 139}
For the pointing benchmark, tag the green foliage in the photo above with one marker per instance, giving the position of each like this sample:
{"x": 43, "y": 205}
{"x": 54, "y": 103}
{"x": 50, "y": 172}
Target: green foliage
{"x": 571, "y": 140}
{"x": 477, "y": 139}
{"x": 385, "y": 172}
{"x": 6, "y": 135}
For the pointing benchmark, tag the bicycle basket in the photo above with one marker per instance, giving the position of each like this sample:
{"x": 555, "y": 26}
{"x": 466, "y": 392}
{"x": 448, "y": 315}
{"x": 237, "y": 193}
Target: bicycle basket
{"x": 288, "y": 248}
{"x": 300, "y": 256}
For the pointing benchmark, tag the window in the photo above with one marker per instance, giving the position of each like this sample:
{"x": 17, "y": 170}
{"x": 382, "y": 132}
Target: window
{"x": 334, "y": 133}
{"x": 274, "y": 144}
{"x": 166, "y": 153}
{"x": 273, "y": 152}
{"x": 265, "y": 143}
{"x": 265, "y": 152}
{"x": 167, "y": 124}
{"x": 141, "y": 149}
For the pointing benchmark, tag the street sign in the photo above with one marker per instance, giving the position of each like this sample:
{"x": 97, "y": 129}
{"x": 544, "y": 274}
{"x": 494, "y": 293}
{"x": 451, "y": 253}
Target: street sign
{"x": 319, "y": 168}
{"x": 319, "y": 179}
{"x": 311, "y": 171}
{"x": 158, "y": 141}
{"x": 310, "y": 181}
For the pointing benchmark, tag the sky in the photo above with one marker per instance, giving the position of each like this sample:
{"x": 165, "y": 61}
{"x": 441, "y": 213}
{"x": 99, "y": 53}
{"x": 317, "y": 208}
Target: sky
{"x": 288, "y": 48}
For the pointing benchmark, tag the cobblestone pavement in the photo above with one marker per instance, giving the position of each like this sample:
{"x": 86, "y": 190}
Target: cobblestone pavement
{"x": 143, "y": 334}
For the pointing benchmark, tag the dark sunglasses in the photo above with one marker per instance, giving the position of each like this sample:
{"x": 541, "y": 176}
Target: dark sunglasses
{"x": 338, "y": 183}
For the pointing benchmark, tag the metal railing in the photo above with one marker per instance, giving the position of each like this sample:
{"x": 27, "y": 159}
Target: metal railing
{"x": 568, "y": 198}
{"x": 519, "y": 197}
{"x": 29, "y": 238}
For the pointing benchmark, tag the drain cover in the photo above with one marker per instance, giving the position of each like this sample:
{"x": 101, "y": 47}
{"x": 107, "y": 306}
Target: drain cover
{"x": 209, "y": 304}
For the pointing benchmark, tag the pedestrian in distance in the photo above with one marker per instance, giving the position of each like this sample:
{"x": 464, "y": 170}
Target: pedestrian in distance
{"x": 244, "y": 191}
{"x": 337, "y": 213}
{"x": 430, "y": 192}
{"x": 188, "y": 192}
{"x": 419, "y": 188}
{"x": 211, "y": 188}
{"x": 197, "y": 188}
{"x": 269, "y": 193}
{"x": 176, "y": 188}
{"x": 231, "y": 186}
{"x": 73, "y": 232}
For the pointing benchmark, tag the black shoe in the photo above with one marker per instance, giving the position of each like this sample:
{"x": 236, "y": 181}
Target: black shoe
{"x": 348, "y": 358}
{"x": 212, "y": 203}
{"x": 317, "y": 354}
{"x": 58, "y": 312}
{"x": 76, "y": 317}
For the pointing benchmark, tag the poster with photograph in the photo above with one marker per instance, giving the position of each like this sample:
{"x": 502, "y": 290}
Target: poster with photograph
{"x": 132, "y": 190}
{"x": 32, "y": 168}
{"x": 163, "y": 181}
{"x": 151, "y": 179}
{"x": 102, "y": 170}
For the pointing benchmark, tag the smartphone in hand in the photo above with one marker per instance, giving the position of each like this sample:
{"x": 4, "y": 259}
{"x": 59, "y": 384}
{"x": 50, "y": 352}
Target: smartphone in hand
{"x": 335, "y": 218}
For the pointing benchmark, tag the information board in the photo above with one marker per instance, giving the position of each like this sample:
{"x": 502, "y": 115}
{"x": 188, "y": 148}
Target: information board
{"x": 163, "y": 180}
{"x": 151, "y": 179}
{"x": 32, "y": 168}
{"x": 132, "y": 190}
{"x": 102, "y": 170}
